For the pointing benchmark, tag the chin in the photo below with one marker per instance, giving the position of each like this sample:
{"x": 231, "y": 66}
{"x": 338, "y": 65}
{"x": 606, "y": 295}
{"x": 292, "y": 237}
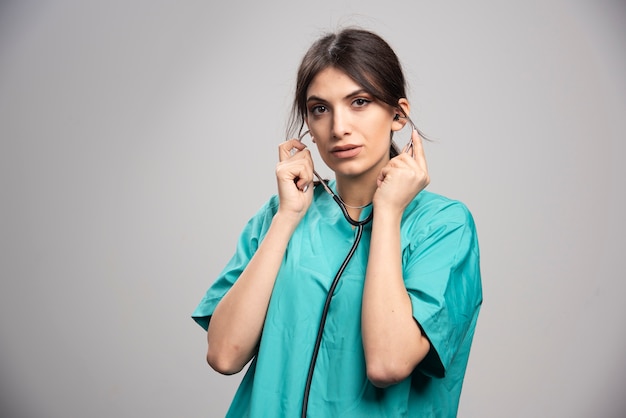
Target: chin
{"x": 351, "y": 172}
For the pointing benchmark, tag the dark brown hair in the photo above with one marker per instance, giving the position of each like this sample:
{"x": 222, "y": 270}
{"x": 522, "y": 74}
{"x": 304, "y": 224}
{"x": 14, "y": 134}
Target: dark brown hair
{"x": 363, "y": 56}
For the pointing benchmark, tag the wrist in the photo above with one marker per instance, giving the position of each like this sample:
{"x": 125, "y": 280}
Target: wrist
{"x": 286, "y": 218}
{"x": 388, "y": 212}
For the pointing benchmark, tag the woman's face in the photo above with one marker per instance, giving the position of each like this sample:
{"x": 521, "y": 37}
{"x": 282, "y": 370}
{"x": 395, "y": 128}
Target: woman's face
{"x": 350, "y": 128}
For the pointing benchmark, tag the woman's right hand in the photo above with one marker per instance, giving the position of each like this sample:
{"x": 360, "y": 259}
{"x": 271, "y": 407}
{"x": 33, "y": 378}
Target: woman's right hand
{"x": 294, "y": 174}
{"x": 237, "y": 322}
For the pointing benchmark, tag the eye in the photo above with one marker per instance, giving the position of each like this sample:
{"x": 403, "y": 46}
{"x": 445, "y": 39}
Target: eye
{"x": 317, "y": 110}
{"x": 361, "y": 102}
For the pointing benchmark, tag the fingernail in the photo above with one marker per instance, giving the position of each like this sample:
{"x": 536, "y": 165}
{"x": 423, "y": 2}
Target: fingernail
{"x": 305, "y": 188}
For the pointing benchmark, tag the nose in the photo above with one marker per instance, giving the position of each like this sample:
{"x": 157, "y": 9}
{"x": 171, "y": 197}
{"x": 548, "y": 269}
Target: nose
{"x": 341, "y": 123}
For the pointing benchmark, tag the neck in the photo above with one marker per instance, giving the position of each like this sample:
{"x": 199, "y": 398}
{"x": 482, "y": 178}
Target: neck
{"x": 356, "y": 193}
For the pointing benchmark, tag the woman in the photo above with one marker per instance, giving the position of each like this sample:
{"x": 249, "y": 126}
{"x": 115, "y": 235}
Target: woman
{"x": 361, "y": 304}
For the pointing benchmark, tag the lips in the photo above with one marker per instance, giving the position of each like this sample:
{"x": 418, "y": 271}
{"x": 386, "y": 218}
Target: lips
{"x": 346, "y": 151}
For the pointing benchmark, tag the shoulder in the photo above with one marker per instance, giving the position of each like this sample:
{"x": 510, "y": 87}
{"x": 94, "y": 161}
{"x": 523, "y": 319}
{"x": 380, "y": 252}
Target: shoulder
{"x": 433, "y": 208}
{"x": 271, "y": 204}
{"x": 258, "y": 224}
{"x": 268, "y": 208}
{"x": 435, "y": 221}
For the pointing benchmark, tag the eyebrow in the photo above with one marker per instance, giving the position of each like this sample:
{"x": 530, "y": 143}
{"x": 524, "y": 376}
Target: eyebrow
{"x": 347, "y": 96}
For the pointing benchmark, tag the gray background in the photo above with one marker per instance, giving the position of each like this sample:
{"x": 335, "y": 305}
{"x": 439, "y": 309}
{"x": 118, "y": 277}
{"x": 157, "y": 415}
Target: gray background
{"x": 138, "y": 137}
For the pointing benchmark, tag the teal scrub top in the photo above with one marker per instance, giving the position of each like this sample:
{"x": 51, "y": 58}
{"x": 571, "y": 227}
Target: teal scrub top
{"x": 440, "y": 259}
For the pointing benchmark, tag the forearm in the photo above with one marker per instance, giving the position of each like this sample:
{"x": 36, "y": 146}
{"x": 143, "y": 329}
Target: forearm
{"x": 392, "y": 340}
{"x": 237, "y": 322}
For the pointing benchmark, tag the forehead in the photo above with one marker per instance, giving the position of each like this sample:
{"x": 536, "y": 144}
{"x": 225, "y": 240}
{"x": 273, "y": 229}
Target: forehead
{"x": 332, "y": 82}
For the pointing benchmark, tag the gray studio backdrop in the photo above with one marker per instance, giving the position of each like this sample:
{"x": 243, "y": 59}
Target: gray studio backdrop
{"x": 137, "y": 138}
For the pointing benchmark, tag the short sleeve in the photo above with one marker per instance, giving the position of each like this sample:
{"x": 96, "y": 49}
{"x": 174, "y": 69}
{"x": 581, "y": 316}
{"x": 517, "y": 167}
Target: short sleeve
{"x": 442, "y": 276}
{"x": 248, "y": 242}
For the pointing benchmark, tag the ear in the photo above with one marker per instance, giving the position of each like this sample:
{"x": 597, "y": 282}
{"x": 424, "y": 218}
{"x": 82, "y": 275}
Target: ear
{"x": 403, "y": 109}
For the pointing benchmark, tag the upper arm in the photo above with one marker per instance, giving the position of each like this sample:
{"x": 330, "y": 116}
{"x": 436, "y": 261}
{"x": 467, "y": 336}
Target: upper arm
{"x": 442, "y": 276}
{"x": 248, "y": 242}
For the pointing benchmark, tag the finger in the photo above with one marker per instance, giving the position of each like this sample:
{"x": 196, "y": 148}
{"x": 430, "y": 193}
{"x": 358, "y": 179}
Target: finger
{"x": 408, "y": 148}
{"x": 303, "y": 184}
{"x": 288, "y": 148}
{"x": 300, "y": 165}
{"x": 418, "y": 148}
{"x": 285, "y": 149}
{"x": 383, "y": 173}
{"x": 297, "y": 169}
{"x": 401, "y": 160}
{"x": 420, "y": 157}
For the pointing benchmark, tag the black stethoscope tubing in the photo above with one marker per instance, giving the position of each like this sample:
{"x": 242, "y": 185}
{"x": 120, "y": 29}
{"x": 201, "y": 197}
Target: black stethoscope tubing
{"x": 329, "y": 296}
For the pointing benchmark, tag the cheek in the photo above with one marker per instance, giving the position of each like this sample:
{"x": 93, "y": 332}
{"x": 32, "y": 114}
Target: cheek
{"x": 318, "y": 134}
{"x": 383, "y": 137}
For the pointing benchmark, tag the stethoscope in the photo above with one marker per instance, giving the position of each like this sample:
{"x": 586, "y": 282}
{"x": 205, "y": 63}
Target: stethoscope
{"x": 359, "y": 233}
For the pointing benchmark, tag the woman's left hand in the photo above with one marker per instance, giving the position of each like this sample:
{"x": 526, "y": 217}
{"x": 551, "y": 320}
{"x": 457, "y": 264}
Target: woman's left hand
{"x": 402, "y": 178}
